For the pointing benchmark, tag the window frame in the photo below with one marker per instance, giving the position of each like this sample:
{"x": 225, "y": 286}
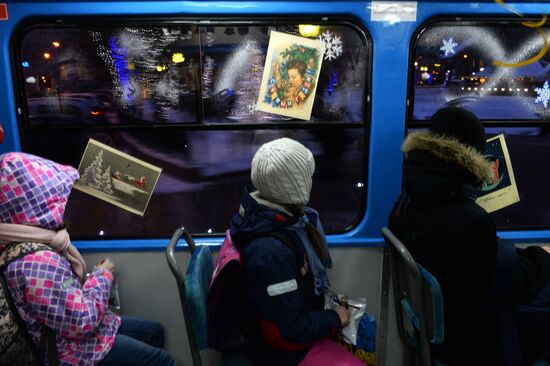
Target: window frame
{"x": 25, "y": 128}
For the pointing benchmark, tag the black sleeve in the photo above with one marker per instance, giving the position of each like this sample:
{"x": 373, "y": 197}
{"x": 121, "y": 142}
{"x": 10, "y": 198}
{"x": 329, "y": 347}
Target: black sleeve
{"x": 482, "y": 262}
{"x": 531, "y": 273}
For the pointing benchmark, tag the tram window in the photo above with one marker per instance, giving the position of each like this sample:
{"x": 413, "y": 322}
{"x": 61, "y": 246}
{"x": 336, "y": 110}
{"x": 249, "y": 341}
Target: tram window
{"x": 193, "y": 118}
{"x": 180, "y": 73}
{"x": 456, "y": 63}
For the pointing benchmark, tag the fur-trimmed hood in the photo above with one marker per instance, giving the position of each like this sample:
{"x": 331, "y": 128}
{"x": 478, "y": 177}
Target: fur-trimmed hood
{"x": 451, "y": 151}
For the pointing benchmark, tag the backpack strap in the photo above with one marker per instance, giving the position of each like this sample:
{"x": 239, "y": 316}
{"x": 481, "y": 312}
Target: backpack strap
{"x": 47, "y": 340}
{"x": 286, "y": 238}
{"x": 18, "y": 250}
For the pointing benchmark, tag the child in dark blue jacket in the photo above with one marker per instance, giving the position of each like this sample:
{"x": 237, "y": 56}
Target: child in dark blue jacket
{"x": 286, "y": 284}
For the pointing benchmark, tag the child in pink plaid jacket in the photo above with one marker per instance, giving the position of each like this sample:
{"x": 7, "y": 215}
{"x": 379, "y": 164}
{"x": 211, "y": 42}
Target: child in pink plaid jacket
{"x": 50, "y": 288}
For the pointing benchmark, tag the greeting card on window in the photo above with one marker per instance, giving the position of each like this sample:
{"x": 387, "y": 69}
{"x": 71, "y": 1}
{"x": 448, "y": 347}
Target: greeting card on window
{"x": 500, "y": 190}
{"x": 116, "y": 177}
{"x": 291, "y": 73}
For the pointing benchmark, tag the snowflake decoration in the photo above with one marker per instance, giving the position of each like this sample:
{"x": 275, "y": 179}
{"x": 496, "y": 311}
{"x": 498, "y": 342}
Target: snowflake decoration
{"x": 251, "y": 108}
{"x": 333, "y": 45}
{"x": 449, "y": 47}
{"x": 543, "y": 94}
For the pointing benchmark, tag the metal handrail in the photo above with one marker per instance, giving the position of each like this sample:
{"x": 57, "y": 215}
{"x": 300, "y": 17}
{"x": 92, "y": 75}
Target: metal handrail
{"x": 398, "y": 249}
{"x": 411, "y": 263}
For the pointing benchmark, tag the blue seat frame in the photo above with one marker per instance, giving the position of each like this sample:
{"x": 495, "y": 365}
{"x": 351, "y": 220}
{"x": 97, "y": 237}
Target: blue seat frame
{"x": 418, "y": 303}
{"x": 193, "y": 290}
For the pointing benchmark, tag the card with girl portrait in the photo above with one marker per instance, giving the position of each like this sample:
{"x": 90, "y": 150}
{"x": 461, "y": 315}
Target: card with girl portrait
{"x": 290, "y": 76}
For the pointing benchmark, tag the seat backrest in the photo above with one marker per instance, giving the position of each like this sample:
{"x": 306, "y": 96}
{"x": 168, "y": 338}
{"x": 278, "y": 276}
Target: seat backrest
{"x": 193, "y": 290}
{"x": 196, "y": 284}
{"x": 418, "y": 301}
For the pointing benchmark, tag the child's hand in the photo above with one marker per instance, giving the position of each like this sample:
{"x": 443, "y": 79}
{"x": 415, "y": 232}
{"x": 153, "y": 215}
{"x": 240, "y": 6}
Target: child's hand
{"x": 343, "y": 313}
{"x": 107, "y": 265}
{"x": 276, "y": 66}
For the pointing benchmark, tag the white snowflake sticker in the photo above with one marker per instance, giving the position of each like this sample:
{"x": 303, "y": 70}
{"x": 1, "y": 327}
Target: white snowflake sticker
{"x": 543, "y": 94}
{"x": 333, "y": 45}
{"x": 448, "y": 46}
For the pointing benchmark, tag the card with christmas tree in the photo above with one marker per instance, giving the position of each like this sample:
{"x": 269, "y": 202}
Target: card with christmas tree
{"x": 116, "y": 177}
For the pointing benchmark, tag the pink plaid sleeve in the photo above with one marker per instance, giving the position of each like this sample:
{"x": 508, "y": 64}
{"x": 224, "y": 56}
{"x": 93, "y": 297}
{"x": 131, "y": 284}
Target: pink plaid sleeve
{"x": 58, "y": 299}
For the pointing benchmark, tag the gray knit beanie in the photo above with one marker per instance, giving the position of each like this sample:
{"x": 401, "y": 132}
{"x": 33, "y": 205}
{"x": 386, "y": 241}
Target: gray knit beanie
{"x": 282, "y": 171}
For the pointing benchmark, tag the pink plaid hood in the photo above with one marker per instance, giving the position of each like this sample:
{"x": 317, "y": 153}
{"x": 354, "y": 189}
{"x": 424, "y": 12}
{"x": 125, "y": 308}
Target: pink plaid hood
{"x": 34, "y": 190}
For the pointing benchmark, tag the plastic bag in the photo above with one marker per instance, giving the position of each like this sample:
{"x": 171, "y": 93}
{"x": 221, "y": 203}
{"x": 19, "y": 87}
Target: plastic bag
{"x": 366, "y": 333}
{"x": 359, "y": 336}
{"x": 356, "y": 307}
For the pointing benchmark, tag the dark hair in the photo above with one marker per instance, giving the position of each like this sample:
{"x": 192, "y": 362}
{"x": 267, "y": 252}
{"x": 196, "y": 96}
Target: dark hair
{"x": 460, "y": 124}
{"x": 313, "y": 235}
{"x": 298, "y": 65}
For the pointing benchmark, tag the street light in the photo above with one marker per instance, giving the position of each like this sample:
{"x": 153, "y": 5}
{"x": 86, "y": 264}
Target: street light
{"x": 309, "y": 30}
{"x": 178, "y": 57}
{"x": 47, "y": 55}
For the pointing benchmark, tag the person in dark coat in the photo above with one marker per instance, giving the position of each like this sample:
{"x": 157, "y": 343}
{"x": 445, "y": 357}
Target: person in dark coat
{"x": 286, "y": 283}
{"x": 437, "y": 219}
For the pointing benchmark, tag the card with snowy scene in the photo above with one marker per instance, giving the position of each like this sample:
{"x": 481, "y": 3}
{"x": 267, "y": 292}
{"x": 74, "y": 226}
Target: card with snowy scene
{"x": 291, "y": 72}
{"x": 500, "y": 190}
{"x": 116, "y": 177}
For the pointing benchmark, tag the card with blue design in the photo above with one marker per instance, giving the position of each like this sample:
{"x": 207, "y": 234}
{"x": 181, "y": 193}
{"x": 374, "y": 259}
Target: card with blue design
{"x": 291, "y": 74}
{"x": 500, "y": 190}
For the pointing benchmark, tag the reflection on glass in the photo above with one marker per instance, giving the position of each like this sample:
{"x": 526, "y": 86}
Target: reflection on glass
{"x": 204, "y": 174}
{"x": 180, "y": 73}
{"x": 111, "y": 75}
{"x": 233, "y": 65}
{"x": 453, "y": 66}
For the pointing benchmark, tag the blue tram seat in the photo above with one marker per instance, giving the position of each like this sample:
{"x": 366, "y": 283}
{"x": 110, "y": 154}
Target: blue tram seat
{"x": 193, "y": 291}
{"x": 418, "y": 303}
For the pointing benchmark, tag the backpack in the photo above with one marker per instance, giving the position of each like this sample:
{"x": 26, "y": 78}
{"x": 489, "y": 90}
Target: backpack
{"x": 16, "y": 345}
{"x": 230, "y": 327}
